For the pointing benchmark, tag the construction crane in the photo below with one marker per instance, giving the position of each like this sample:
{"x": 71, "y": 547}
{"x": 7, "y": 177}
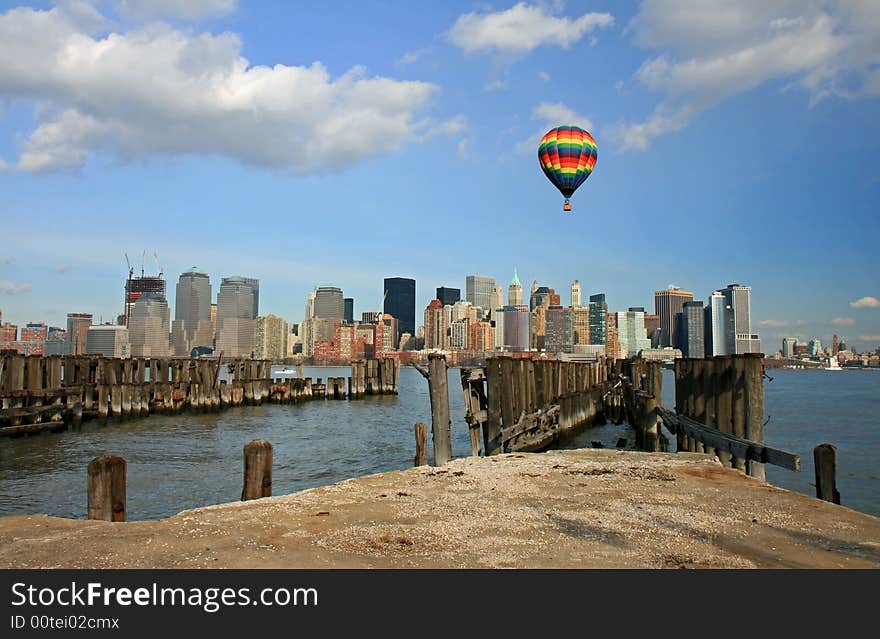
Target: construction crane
{"x": 158, "y": 265}
{"x": 130, "y": 270}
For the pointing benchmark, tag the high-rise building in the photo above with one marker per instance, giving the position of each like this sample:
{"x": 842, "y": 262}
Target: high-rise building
{"x": 738, "y": 330}
{"x": 458, "y": 335}
{"x": 214, "y": 322}
{"x": 310, "y": 305}
{"x": 348, "y": 314}
{"x": 540, "y": 297}
{"x": 137, "y": 286}
{"x": 481, "y": 337}
{"x": 631, "y": 335}
{"x": 448, "y": 296}
{"x": 514, "y": 291}
{"x": 788, "y": 345}
{"x": 715, "y": 320}
{"x": 149, "y": 326}
{"x": 478, "y": 291}
{"x": 33, "y": 336}
{"x": 498, "y": 328}
{"x": 652, "y": 328}
{"x": 255, "y": 287}
{"x": 538, "y": 327}
{"x": 575, "y": 294}
{"x": 598, "y": 318}
{"x": 815, "y": 346}
{"x": 77, "y": 332}
{"x": 8, "y": 334}
{"x": 236, "y": 324}
{"x": 612, "y": 344}
{"x": 835, "y": 345}
{"x": 580, "y": 324}
{"x": 497, "y": 299}
{"x": 400, "y": 302}
{"x": 692, "y": 327}
{"x": 559, "y": 333}
{"x": 270, "y": 340}
{"x": 667, "y": 303}
{"x": 370, "y": 317}
{"x": 435, "y": 326}
{"x": 516, "y": 328}
{"x": 192, "y": 313}
{"x": 108, "y": 340}
{"x": 329, "y": 303}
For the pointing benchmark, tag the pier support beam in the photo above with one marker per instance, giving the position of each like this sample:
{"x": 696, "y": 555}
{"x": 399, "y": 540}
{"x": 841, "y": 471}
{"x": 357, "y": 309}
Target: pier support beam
{"x": 257, "y": 470}
{"x": 107, "y": 488}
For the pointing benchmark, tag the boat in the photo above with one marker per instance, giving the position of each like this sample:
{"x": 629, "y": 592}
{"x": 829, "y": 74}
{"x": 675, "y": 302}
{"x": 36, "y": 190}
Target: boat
{"x": 833, "y": 365}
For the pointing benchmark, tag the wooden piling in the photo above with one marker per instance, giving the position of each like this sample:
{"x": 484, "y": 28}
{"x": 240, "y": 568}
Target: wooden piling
{"x": 257, "y": 470}
{"x": 106, "y": 497}
{"x": 754, "y": 408}
{"x": 421, "y": 458}
{"x": 492, "y": 427}
{"x": 724, "y": 401}
{"x": 824, "y": 459}
{"x": 440, "y": 423}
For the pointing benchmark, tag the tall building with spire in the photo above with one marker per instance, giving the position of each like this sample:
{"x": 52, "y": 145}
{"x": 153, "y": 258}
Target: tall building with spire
{"x": 514, "y": 291}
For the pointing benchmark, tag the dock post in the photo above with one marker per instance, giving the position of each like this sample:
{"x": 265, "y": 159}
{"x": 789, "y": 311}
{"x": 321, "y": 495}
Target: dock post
{"x": 106, "y": 499}
{"x": 440, "y": 423}
{"x": 257, "y": 470}
{"x": 492, "y": 427}
{"x": 754, "y": 408}
{"x": 421, "y": 458}
{"x": 738, "y": 412}
{"x": 724, "y": 401}
{"x": 824, "y": 458}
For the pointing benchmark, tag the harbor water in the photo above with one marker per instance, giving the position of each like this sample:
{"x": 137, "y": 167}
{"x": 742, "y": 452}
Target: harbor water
{"x": 182, "y": 461}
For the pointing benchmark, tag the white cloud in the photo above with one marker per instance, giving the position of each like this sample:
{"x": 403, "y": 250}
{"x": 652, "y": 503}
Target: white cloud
{"x": 709, "y": 52}
{"x": 8, "y": 259}
{"x": 188, "y": 10}
{"x": 10, "y": 288}
{"x": 869, "y": 338}
{"x": 65, "y": 268}
{"x": 544, "y": 76}
{"x": 158, "y": 91}
{"x": 521, "y": 29}
{"x": 843, "y": 321}
{"x": 495, "y": 85}
{"x": 866, "y": 302}
{"x": 464, "y": 148}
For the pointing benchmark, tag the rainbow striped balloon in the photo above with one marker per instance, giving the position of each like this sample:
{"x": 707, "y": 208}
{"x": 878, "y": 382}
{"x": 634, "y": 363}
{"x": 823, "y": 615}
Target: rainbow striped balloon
{"x": 567, "y": 155}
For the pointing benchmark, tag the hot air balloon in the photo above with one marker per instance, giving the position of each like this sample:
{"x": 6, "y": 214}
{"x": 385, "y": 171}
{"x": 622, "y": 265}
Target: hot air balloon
{"x": 567, "y": 155}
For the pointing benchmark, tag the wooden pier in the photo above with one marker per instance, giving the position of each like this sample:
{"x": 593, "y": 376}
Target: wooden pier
{"x": 51, "y": 393}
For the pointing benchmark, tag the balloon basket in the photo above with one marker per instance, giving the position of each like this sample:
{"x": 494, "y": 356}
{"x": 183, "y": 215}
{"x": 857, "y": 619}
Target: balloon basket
{"x": 566, "y": 206}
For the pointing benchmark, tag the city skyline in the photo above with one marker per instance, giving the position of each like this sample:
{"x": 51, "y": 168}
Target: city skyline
{"x": 668, "y": 202}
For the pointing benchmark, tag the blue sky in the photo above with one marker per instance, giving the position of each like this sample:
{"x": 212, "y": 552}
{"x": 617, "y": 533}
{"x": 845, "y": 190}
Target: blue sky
{"x": 310, "y": 145}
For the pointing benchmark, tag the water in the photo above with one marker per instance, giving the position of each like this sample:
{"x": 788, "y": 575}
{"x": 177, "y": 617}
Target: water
{"x": 188, "y": 460}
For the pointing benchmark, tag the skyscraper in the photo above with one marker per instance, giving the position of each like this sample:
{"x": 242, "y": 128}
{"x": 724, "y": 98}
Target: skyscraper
{"x": 149, "y": 326}
{"x": 788, "y": 345}
{"x": 400, "y": 302}
{"x": 77, "y": 332}
{"x": 516, "y": 328}
{"x": 514, "y": 291}
{"x": 692, "y": 330}
{"x": 329, "y": 303}
{"x": 667, "y": 303}
{"x": 559, "y": 334}
{"x": 435, "y": 326}
{"x": 497, "y": 300}
{"x": 348, "y": 314}
{"x": 235, "y": 318}
{"x": 448, "y": 296}
{"x": 271, "y": 338}
{"x": 715, "y": 326}
{"x": 137, "y": 286}
{"x": 575, "y": 294}
{"x": 478, "y": 291}
{"x": 738, "y": 333}
{"x": 631, "y": 335}
{"x": 598, "y": 318}
{"x": 192, "y": 313}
